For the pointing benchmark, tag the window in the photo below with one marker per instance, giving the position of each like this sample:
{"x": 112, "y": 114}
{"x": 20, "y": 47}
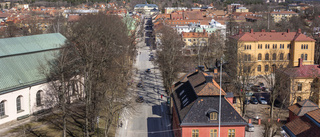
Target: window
{"x": 299, "y": 99}
{"x": 301, "y": 46}
{"x": 189, "y": 40}
{"x": 274, "y": 67}
{"x": 274, "y": 56}
{"x": 213, "y": 116}
{"x": 281, "y": 56}
{"x": 267, "y": 57}
{"x": 274, "y": 46}
{"x": 299, "y": 86}
{"x": 245, "y": 57}
{"x": 213, "y": 133}
{"x": 194, "y": 39}
{"x": 249, "y": 57}
{"x": 307, "y": 46}
{"x": 302, "y": 56}
{"x": 231, "y": 133}
{"x": 195, "y": 132}
{"x": 250, "y": 47}
{"x": 38, "y": 98}
{"x": 184, "y": 39}
{"x": 259, "y": 68}
{"x": 245, "y": 47}
{"x": 288, "y": 46}
{"x": 281, "y": 46}
{"x": 259, "y": 56}
{"x": 259, "y": 46}
{"x": 267, "y": 46}
{"x": 266, "y": 68}
{"x": 305, "y": 56}
{"x": 288, "y": 56}
{"x": 18, "y": 101}
{"x": 2, "y": 109}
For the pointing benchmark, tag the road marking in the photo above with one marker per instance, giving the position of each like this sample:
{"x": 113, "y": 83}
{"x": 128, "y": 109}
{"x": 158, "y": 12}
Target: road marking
{"x": 126, "y": 125}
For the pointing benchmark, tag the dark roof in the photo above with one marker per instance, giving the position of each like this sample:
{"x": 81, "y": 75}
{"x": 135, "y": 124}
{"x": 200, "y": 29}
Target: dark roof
{"x": 303, "y": 107}
{"x": 302, "y": 127}
{"x": 193, "y": 98}
{"x": 229, "y": 95}
{"x": 197, "y": 115}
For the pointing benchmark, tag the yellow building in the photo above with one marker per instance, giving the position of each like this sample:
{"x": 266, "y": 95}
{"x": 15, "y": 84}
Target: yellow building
{"x": 195, "y": 38}
{"x": 282, "y": 15}
{"x": 299, "y": 83}
{"x": 269, "y": 50}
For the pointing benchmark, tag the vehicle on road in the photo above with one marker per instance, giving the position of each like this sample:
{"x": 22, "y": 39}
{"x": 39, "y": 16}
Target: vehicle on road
{"x": 262, "y": 100}
{"x": 249, "y": 127}
{"x": 254, "y": 100}
{"x": 139, "y": 85}
{"x": 148, "y": 70}
{"x": 140, "y": 99}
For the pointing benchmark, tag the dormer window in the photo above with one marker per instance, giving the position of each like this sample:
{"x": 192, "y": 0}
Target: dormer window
{"x": 213, "y": 116}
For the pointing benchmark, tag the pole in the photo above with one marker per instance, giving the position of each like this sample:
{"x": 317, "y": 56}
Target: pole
{"x": 220, "y": 95}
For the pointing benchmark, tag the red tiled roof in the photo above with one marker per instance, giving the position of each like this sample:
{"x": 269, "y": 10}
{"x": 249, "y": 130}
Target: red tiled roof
{"x": 272, "y": 36}
{"x": 195, "y": 34}
{"x": 193, "y": 15}
{"x": 303, "y": 107}
{"x": 303, "y": 127}
{"x": 303, "y": 71}
{"x": 73, "y": 18}
{"x": 315, "y": 114}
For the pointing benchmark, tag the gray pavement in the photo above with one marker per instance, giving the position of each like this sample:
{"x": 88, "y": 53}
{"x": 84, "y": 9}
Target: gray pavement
{"x": 150, "y": 118}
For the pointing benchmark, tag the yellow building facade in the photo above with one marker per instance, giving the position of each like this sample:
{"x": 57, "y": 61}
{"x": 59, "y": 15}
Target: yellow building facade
{"x": 282, "y": 15}
{"x": 195, "y": 38}
{"x": 269, "y": 50}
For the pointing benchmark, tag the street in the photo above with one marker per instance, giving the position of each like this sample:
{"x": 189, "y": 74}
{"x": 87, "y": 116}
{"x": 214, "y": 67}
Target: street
{"x": 150, "y": 118}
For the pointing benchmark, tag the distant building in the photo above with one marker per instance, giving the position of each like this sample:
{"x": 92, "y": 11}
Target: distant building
{"x": 273, "y": 49}
{"x": 275, "y": 1}
{"x": 242, "y": 9}
{"x": 282, "y": 15}
{"x": 145, "y": 8}
{"x": 195, "y": 38}
{"x": 195, "y": 108}
{"x": 233, "y": 7}
{"x": 168, "y": 10}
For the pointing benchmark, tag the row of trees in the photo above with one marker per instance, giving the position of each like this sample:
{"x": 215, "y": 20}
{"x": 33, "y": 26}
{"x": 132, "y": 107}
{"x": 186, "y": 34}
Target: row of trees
{"x": 90, "y": 74}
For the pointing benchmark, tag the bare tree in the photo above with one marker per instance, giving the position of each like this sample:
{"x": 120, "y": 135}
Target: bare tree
{"x": 169, "y": 56}
{"x": 212, "y": 50}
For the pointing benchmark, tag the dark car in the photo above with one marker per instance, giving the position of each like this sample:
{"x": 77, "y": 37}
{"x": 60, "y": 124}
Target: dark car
{"x": 254, "y": 100}
{"x": 247, "y": 101}
{"x": 258, "y": 88}
{"x": 139, "y": 85}
{"x": 140, "y": 99}
{"x": 148, "y": 70}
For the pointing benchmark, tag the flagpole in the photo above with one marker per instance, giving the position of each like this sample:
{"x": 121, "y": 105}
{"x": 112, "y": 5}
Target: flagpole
{"x": 220, "y": 95}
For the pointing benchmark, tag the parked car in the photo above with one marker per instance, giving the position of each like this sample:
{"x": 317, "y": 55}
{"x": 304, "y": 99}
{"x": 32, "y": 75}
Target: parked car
{"x": 249, "y": 127}
{"x": 258, "y": 88}
{"x": 140, "y": 99}
{"x": 148, "y": 70}
{"x": 254, "y": 100}
{"x": 139, "y": 85}
{"x": 262, "y": 100}
{"x": 247, "y": 101}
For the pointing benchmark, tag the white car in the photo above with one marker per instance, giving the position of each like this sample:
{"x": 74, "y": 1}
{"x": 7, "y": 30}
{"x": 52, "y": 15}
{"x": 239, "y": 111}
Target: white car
{"x": 249, "y": 127}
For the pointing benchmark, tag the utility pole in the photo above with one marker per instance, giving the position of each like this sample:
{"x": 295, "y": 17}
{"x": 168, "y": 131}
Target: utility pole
{"x": 220, "y": 96}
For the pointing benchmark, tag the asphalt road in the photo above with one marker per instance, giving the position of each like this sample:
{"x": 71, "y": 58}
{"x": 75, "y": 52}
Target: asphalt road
{"x": 150, "y": 118}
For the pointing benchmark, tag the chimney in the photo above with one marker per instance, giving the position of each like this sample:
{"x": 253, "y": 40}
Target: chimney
{"x": 215, "y": 70}
{"x": 251, "y": 31}
{"x": 209, "y": 79}
{"x": 288, "y": 30}
{"x": 240, "y": 31}
{"x": 299, "y": 31}
{"x": 263, "y": 30}
{"x": 300, "y": 62}
{"x": 201, "y": 68}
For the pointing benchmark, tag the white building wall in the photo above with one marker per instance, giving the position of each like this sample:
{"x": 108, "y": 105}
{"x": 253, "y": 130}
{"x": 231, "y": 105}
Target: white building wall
{"x": 28, "y": 102}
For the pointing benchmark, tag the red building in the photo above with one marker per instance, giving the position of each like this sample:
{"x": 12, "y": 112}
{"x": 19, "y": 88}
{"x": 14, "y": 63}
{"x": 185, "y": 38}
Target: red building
{"x": 196, "y": 108}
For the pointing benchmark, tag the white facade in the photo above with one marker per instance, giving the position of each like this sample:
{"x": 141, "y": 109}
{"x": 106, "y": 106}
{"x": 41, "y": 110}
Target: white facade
{"x": 146, "y": 8}
{"x": 28, "y": 102}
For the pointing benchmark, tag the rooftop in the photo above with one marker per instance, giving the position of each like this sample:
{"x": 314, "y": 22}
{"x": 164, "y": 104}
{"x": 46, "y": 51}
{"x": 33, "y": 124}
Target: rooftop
{"x": 303, "y": 107}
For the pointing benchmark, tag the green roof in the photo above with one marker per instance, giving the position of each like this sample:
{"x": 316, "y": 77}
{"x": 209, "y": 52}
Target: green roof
{"x": 20, "y": 59}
